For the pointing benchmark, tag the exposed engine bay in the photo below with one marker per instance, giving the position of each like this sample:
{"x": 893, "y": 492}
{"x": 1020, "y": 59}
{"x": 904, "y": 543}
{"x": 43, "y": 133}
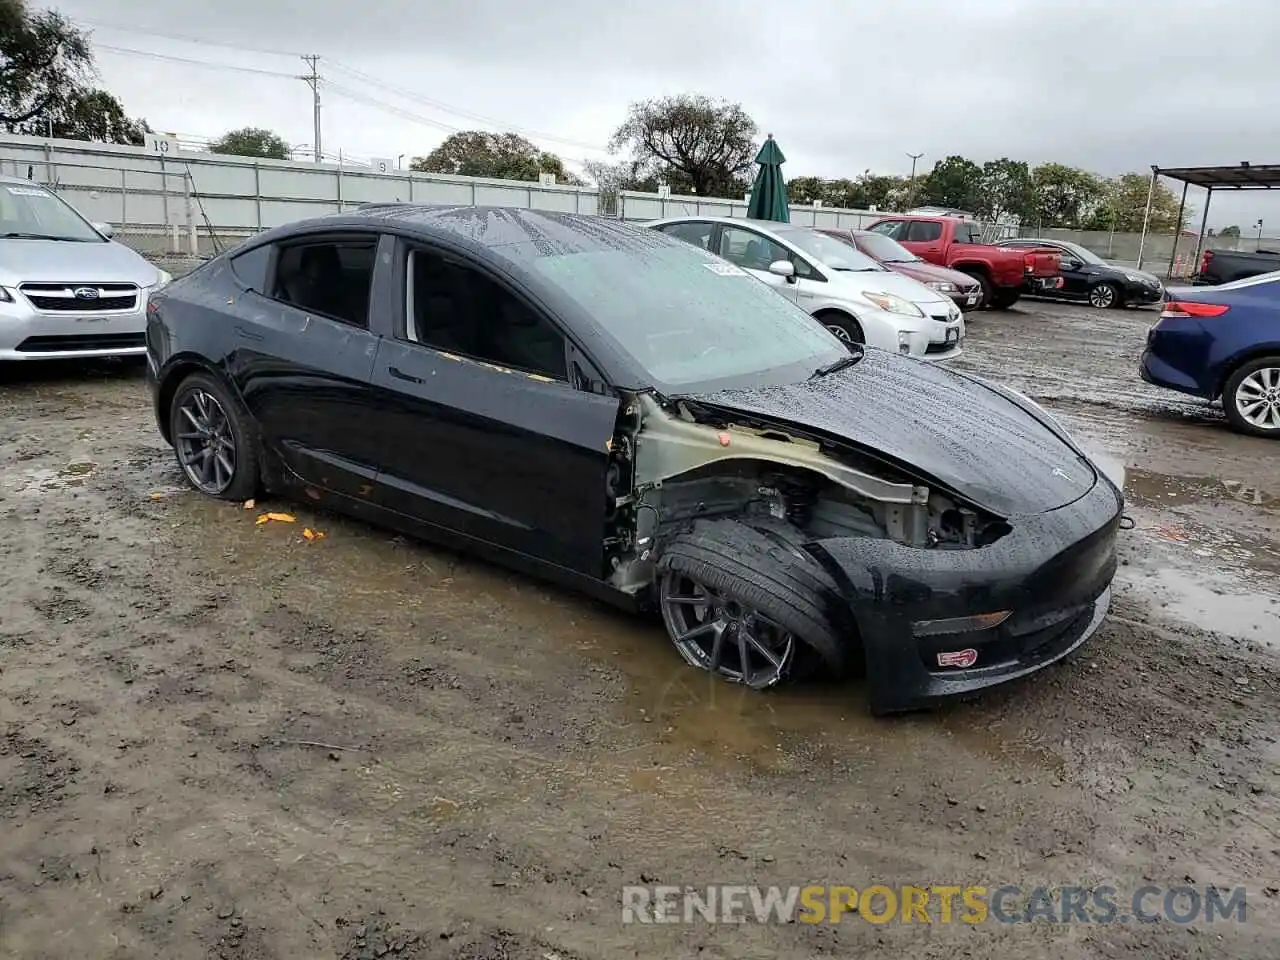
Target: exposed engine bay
{"x": 676, "y": 462}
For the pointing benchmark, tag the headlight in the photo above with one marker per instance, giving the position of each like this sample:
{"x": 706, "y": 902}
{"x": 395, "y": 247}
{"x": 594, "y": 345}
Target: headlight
{"x": 165, "y": 278}
{"x": 1134, "y": 278}
{"x": 5, "y": 296}
{"x": 893, "y": 304}
{"x": 943, "y": 286}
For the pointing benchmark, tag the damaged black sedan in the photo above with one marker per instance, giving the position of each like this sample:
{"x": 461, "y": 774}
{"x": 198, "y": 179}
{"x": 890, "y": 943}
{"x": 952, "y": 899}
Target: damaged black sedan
{"x": 633, "y": 416}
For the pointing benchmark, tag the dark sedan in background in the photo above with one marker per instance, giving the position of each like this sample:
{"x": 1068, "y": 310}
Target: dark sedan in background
{"x": 629, "y": 414}
{"x": 1086, "y": 276}
{"x": 964, "y": 290}
{"x": 1223, "y": 343}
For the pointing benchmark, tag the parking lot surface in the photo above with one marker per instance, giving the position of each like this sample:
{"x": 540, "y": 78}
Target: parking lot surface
{"x": 220, "y": 738}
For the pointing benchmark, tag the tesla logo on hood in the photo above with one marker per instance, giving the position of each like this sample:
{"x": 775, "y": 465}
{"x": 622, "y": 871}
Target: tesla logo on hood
{"x": 1059, "y": 472}
{"x": 958, "y": 658}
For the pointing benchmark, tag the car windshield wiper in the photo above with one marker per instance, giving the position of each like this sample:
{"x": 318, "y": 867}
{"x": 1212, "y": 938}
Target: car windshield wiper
{"x": 835, "y": 365}
{"x": 857, "y": 269}
{"x": 37, "y": 236}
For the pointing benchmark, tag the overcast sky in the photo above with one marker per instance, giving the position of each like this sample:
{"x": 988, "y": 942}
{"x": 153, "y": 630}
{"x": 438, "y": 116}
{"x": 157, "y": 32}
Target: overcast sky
{"x": 1110, "y": 85}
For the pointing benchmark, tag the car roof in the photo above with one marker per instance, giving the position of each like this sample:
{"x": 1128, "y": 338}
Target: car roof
{"x": 537, "y": 233}
{"x": 775, "y": 225}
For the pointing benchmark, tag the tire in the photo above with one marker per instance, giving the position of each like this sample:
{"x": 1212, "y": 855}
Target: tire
{"x": 229, "y": 424}
{"x": 1105, "y": 296}
{"x": 985, "y": 288}
{"x": 759, "y": 573}
{"x": 1005, "y": 297}
{"x": 1259, "y": 378}
{"x": 845, "y": 327}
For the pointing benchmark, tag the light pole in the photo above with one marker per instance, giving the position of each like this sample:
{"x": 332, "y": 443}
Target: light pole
{"x": 1259, "y": 230}
{"x": 398, "y": 159}
{"x": 911, "y": 184}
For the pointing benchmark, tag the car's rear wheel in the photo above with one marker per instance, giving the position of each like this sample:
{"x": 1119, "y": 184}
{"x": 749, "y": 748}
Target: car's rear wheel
{"x": 985, "y": 289}
{"x": 1104, "y": 296}
{"x": 212, "y": 439}
{"x": 1251, "y": 398}
{"x": 746, "y": 606}
{"x": 845, "y": 327}
{"x": 1005, "y": 297}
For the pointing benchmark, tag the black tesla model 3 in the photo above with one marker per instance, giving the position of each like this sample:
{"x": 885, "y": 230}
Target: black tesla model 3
{"x": 625, "y": 413}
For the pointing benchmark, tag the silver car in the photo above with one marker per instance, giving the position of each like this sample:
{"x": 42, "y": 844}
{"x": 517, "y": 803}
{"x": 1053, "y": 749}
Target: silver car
{"x": 67, "y": 290}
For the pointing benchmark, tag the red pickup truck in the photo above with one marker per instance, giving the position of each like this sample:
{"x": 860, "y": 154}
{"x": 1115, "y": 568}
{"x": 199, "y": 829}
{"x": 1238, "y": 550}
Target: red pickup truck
{"x": 1004, "y": 273}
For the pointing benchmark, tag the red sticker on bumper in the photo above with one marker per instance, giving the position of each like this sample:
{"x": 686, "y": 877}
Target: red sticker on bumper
{"x": 958, "y": 658}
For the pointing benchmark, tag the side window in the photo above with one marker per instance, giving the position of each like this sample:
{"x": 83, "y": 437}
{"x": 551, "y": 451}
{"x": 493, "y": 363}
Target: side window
{"x": 968, "y": 233}
{"x": 890, "y": 228}
{"x": 250, "y": 267}
{"x": 923, "y": 231}
{"x": 699, "y": 234}
{"x": 749, "y": 250}
{"x": 457, "y": 309}
{"x": 330, "y": 277}
{"x": 805, "y": 271}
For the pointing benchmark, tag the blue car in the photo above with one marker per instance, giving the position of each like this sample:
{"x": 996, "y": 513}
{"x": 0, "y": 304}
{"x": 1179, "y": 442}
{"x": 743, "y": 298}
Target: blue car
{"x": 1222, "y": 342}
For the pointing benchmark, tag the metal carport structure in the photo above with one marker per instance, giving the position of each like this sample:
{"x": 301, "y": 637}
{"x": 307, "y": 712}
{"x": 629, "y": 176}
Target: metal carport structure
{"x": 1242, "y": 176}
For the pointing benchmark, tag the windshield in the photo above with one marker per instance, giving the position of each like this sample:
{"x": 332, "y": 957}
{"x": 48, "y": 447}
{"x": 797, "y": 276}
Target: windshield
{"x": 30, "y": 211}
{"x": 829, "y": 251}
{"x": 693, "y": 321}
{"x": 885, "y": 249}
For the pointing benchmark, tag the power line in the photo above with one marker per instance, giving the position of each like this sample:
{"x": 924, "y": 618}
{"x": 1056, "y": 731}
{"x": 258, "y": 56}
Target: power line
{"x": 128, "y": 51}
{"x": 373, "y": 81}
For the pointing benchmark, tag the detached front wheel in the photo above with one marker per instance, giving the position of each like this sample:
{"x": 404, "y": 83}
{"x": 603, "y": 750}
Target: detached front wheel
{"x": 212, "y": 439}
{"x": 747, "y": 606}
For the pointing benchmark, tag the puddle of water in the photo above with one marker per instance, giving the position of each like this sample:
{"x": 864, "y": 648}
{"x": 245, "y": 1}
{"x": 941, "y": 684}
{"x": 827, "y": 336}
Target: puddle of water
{"x": 1164, "y": 490}
{"x": 74, "y": 474}
{"x": 1233, "y": 610}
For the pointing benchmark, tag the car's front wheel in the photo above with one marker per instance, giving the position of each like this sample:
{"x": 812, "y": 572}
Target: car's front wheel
{"x": 843, "y": 326}
{"x": 1251, "y": 398}
{"x": 747, "y": 606}
{"x": 212, "y": 439}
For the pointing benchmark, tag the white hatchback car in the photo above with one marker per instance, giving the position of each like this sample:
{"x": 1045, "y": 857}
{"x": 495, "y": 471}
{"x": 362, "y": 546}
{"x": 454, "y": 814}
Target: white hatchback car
{"x": 66, "y": 289}
{"x": 852, "y": 295}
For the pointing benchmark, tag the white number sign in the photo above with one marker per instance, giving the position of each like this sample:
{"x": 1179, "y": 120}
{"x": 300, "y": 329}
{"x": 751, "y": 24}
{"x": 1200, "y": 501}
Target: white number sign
{"x": 162, "y": 145}
{"x": 382, "y": 165}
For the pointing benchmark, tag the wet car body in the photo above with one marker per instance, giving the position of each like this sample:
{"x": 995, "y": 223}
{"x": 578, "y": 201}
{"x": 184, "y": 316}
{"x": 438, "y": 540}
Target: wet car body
{"x": 974, "y": 546}
{"x": 1222, "y": 342}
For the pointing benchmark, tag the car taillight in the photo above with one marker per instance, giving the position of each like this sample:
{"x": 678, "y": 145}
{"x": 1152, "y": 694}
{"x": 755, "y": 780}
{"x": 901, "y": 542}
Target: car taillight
{"x": 1029, "y": 263}
{"x": 1206, "y": 260}
{"x": 1187, "y": 308}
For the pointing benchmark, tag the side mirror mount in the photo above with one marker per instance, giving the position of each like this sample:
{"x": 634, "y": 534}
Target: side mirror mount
{"x": 105, "y": 229}
{"x": 785, "y": 269}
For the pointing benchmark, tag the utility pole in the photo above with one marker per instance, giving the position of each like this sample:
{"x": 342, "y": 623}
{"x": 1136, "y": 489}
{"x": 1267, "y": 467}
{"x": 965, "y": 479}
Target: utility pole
{"x": 911, "y": 184}
{"x": 313, "y": 81}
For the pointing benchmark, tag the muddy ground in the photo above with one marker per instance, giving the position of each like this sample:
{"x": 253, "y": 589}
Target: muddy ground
{"x": 221, "y": 739}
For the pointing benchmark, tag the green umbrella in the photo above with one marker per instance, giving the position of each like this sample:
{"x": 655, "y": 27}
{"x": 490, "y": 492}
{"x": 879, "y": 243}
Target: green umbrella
{"x": 769, "y": 192}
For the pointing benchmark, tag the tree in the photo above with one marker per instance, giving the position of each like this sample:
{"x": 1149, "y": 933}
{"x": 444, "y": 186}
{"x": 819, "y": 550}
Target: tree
{"x": 1007, "y": 191}
{"x": 1065, "y": 195}
{"x": 252, "y": 142}
{"x": 47, "y": 81}
{"x": 954, "y": 182}
{"x": 1123, "y": 205}
{"x": 502, "y": 156}
{"x": 1231, "y": 231}
{"x": 691, "y": 141}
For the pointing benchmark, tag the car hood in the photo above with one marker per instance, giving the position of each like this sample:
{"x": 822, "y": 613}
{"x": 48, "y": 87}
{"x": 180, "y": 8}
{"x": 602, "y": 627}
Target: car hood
{"x": 888, "y": 281}
{"x": 61, "y": 261}
{"x": 924, "y": 272}
{"x": 949, "y": 429}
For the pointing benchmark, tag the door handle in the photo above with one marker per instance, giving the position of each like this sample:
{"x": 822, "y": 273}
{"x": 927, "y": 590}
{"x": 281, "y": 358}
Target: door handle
{"x": 401, "y": 375}
{"x": 247, "y": 333}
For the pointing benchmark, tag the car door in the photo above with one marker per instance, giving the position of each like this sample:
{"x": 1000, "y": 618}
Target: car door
{"x": 304, "y": 355}
{"x": 924, "y": 239}
{"x": 483, "y": 432}
{"x": 1076, "y": 275}
{"x": 754, "y": 252}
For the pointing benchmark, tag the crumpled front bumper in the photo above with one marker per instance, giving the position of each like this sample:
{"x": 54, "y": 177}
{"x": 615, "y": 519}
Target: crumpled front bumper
{"x": 914, "y": 608}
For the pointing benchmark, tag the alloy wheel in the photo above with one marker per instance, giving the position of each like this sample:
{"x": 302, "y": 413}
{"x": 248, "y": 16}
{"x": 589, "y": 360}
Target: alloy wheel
{"x": 1102, "y": 296}
{"x": 206, "y": 442}
{"x": 723, "y": 635}
{"x": 840, "y": 332}
{"x": 1257, "y": 398}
